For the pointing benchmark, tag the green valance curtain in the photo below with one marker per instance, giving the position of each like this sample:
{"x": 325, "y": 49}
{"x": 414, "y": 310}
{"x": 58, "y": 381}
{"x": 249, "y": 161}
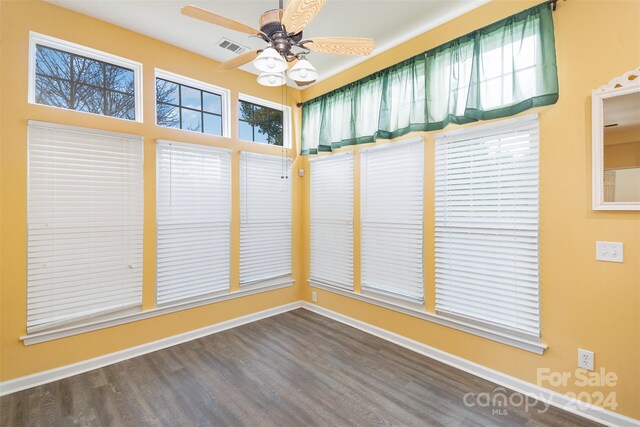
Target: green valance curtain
{"x": 496, "y": 71}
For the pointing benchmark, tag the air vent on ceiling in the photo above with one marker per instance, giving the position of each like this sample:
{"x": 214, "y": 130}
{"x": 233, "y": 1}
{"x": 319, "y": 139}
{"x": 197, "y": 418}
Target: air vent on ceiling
{"x": 232, "y": 46}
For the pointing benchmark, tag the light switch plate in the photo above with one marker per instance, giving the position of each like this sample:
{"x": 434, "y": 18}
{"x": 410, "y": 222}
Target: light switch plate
{"x": 609, "y": 251}
{"x": 617, "y": 252}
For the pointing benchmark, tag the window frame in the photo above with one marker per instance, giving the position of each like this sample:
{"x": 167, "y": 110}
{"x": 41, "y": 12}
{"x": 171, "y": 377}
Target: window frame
{"x": 54, "y": 327}
{"x": 219, "y": 151}
{"x": 225, "y": 101}
{"x": 365, "y": 222}
{"x": 495, "y": 327}
{"x": 246, "y": 223}
{"x": 87, "y": 52}
{"x": 286, "y": 118}
{"x": 346, "y": 160}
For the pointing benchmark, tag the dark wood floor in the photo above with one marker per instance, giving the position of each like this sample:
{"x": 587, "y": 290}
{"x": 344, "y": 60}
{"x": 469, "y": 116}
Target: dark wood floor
{"x": 295, "y": 369}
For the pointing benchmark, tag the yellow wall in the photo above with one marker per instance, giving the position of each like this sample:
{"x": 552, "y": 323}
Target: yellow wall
{"x": 17, "y": 19}
{"x": 585, "y": 304}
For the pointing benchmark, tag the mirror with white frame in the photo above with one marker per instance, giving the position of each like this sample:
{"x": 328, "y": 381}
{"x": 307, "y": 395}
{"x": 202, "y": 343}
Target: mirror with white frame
{"x": 616, "y": 143}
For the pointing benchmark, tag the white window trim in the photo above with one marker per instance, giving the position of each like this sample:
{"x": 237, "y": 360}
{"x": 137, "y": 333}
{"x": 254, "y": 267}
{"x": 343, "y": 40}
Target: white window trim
{"x": 286, "y": 117}
{"x": 48, "y": 41}
{"x": 121, "y": 319}
{"x": 504, "y": 337}
{"x": 483, "y": 127}
{"x": 197, "y": 84}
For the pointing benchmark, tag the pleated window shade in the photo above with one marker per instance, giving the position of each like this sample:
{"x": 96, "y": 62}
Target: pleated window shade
{"x": 265, "y": 218}
{"x": 85, "y": 215}
{"x": 391, "y": 204}
{"x": 332, "y": 220}
{"x": 486, "y": 207}
{"x": 193, "y": 220}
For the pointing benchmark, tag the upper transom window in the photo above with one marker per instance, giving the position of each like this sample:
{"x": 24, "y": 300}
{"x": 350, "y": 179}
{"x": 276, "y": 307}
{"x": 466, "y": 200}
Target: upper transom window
{"x": 263, "y": 121}
{"x": 73, "y": 77}
{"x": 188, "y": 104}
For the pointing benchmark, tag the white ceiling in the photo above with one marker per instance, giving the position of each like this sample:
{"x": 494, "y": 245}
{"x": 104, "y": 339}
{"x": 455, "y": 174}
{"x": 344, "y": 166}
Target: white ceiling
{"x": 388, "y": 22}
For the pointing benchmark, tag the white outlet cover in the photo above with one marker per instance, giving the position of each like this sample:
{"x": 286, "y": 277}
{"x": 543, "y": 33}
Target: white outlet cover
{"x": 585, "y": 359}
{"x": 314, "y": 296}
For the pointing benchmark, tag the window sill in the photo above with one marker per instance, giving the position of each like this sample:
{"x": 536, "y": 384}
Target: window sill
{"x": 513, "y": 340}
{"x": 57, "y": 333}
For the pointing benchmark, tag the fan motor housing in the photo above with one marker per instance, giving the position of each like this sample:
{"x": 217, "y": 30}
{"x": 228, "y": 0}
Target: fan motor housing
{"x": 270, "y": 22}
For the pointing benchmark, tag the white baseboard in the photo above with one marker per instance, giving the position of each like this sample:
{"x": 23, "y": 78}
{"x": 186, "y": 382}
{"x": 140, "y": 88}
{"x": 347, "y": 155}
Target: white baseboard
{"x": 44, "y": 377}
{"x": 592, "y": 412}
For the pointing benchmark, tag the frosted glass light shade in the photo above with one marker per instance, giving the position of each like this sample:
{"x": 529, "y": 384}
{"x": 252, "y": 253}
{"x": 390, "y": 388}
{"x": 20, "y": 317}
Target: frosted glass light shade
{"x": 303, "y": 71}
{"x": 270, "y": 61}
{"x": 272, "y": 79}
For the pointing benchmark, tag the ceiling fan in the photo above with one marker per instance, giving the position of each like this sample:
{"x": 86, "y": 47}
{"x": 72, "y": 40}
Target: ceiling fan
{"x": 282, "y": 29}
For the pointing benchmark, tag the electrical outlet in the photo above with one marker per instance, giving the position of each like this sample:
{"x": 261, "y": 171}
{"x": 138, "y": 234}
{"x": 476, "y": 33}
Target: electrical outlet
{"x": 585, "y": 359}
{"x": 314, "y": 296}
{"x": 609, "y": 251}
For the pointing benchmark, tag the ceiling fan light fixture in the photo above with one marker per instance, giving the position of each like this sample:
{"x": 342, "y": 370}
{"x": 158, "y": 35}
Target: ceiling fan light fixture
{"x": 272, "y": 79}
{"x": 270, "y": 61}
{"x": 303, "y": 71}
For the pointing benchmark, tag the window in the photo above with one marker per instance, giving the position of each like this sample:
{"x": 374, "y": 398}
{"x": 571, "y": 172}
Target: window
{"x": 332, "y": 220}
{"x": 486, "y": 207}
{"x": 188, "y": 104}
{"x": 66, "y": 75}
{"x": 193, "y": 220}
{"x": 263, "y": 121}
{"x": 508, "y": 70}
{"x": 265, "y": 219}
{"x": 85, "y": 214}
{"x": 391, "y": 228}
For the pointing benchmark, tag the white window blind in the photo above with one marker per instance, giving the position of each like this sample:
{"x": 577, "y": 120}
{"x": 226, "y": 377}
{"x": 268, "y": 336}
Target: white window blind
{"x": 391, "y": 205}
{"x": 265, "y": 218}
{"x": 332, "y": 220}
{"x": 193, "y": 220}
{"x": 486, "y": 206}
{"x": 85, "y": 213}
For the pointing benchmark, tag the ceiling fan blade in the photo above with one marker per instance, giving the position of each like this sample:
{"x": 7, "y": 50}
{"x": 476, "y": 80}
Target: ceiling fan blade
{"x": 298, "y": 13}
{"x": 340, "y": 45}
{"x": 213, "y": 18}
{"x": 238, "y": 61}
